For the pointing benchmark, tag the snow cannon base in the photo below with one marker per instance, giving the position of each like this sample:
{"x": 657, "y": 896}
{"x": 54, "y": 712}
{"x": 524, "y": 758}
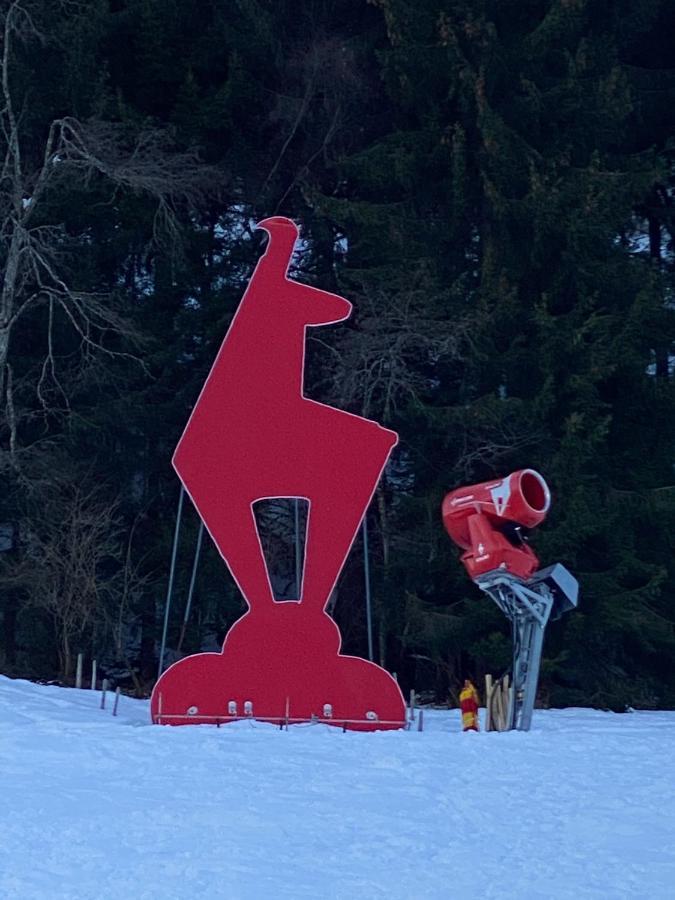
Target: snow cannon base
{"x": 529, "y": 605}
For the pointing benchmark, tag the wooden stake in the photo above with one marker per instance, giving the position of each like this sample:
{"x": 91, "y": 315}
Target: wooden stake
{"x": 117, "y": 700}
{"x": 420, "y": 721}
{"x": 78, "y": 671}
{"x": 499, "y": 703}
{"x": 499, "y": 706}
{"x": 104, "y": 691}
{"x": 488, "y": 702}
{"x": 412, "y": 705}
{"x": 93, "y": 674}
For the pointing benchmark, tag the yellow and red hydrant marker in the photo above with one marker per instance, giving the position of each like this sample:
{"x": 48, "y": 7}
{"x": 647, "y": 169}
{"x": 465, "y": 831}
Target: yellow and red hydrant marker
{"x": 468, "y": 703}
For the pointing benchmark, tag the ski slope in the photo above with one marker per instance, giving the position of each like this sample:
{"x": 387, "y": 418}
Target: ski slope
{"x": 93, "y": 806}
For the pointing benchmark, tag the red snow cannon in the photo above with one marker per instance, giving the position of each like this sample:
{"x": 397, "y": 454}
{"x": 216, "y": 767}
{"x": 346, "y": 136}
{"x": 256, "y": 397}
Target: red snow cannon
{"x": 487, "y": 520}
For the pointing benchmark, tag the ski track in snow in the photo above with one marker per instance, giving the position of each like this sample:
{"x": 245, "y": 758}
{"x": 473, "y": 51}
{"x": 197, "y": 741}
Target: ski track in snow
{"x": 93, "y": 807}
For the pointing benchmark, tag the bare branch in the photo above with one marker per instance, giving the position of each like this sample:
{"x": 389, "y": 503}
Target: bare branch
{"x": 68, "y": 545}
{"x": 35, "y": 257}
{"x": 385, "y": 360}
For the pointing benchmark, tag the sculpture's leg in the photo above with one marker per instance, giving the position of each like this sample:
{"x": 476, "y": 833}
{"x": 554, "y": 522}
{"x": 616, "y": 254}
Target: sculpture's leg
{"x": 334, "y": 518}
{"x": 240, "y": 546}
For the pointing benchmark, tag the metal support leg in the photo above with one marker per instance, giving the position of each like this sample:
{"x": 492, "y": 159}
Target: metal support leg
{"x": 169, "y": 590}
{"x": 528, "y": 609}
{"x": 526, "y": 664}
{"x": 366, "y": 577}
{"x": 191, "y": 589}
{"x": 298, "y": 549}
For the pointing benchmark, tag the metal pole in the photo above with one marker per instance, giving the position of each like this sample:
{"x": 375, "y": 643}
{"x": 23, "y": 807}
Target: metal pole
{"x": 298, "y": 556}
{"x": 172, "y": 572}
{"x": 193, "y": 578}
{"x": 366, "y": 575}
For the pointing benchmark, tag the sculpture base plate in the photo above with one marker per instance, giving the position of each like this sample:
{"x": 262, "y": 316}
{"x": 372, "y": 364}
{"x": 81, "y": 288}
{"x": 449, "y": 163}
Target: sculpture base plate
{"x": 279, "y": 664}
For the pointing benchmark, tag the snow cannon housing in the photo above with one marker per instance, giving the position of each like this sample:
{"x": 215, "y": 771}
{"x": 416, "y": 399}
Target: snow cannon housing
{"x": 487, "y": 520}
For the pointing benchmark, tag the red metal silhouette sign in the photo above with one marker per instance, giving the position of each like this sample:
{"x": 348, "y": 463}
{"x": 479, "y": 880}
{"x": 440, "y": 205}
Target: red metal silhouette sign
{"x": 253, "y": 435}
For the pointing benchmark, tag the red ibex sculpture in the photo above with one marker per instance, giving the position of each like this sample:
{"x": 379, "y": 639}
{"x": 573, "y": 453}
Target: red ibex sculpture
{"x": 254, "y": 435}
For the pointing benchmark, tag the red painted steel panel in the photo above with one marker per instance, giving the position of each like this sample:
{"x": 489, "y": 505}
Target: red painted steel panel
{"x": 254, "y": 435}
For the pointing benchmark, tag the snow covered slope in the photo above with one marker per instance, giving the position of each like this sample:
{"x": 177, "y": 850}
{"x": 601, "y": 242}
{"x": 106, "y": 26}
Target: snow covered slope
{"x": 93, "y": 806}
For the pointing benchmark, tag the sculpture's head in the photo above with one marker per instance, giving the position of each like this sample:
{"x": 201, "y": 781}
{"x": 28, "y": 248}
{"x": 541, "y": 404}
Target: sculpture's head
{"x": 302, "y": 302}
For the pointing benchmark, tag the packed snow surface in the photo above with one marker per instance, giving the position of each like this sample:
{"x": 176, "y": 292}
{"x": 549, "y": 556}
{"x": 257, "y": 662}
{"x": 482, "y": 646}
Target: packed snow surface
{"x": 93, "y": 806}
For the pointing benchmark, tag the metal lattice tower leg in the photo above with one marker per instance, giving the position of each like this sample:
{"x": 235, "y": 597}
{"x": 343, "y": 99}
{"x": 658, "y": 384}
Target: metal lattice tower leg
{"x": 528, "y": 608}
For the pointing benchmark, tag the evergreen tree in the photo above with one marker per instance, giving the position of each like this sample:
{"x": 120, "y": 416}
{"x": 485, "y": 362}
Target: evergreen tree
{"x": 491, "y": 184}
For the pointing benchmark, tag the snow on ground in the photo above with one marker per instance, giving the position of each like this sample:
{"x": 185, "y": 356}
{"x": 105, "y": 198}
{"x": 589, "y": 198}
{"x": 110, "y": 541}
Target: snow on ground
{"x": 93, "y": 806}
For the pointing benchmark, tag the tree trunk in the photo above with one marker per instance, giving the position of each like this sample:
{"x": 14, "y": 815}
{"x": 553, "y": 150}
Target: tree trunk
{"x": 9, "y": 630}
{"x": 4, "y": 353}
{"x": 147, "y": 660}
{"x": 66, "y": 656}
{"x": 661, "y": 351}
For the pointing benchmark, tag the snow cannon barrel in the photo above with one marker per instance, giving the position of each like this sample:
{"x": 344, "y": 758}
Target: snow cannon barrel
{"x": 486, "y": 521}
{"x": 522, "y": 498}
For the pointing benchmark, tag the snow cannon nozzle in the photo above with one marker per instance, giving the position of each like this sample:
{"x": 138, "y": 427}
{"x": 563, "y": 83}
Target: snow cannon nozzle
{"x": 486, "y": 520}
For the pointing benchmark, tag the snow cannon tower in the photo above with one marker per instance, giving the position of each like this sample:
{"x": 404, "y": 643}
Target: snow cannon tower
{"x": 490, "y": 523}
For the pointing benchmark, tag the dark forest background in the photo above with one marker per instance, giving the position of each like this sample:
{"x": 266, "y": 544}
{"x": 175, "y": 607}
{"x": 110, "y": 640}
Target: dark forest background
{"x": 490, "y": 182}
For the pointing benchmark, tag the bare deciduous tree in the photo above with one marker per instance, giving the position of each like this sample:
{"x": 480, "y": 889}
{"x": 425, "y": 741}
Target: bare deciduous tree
{"x": 385, "y": 361}
{"x": 32, "y": 249}
{"x": 70, "y": 566}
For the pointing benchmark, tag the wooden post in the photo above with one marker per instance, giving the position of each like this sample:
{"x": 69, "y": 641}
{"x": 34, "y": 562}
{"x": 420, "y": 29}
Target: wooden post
{"x": 412, "y": 705}
{"x": 420, "y": 721}
{"x": 78, "y": 671}
{"x": 499, "y": 703}
{"x": 488, "y": 703}
{"x": 104, "y": 690}
{"x": 93, "y": 674}
{"x": 499, "y": 710}
{"x": 117, "y": 700}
